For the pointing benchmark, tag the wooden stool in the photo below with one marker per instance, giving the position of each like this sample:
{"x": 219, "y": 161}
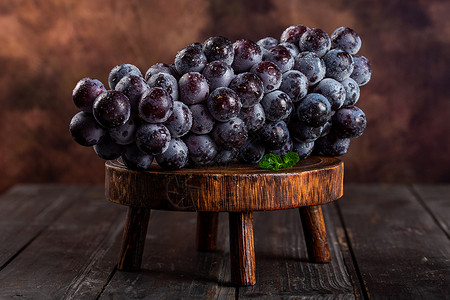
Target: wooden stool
{"x": 236, "y": 189}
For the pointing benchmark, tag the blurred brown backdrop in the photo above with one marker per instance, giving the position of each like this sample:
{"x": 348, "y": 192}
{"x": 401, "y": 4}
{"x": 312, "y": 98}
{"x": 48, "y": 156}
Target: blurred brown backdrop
{"x": 47, "y": 46}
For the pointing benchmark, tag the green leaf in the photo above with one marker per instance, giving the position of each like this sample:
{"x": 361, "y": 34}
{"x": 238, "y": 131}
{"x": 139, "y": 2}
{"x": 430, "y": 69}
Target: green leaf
{"x": 271, "y": 161}
{"x": 290, "y": 159}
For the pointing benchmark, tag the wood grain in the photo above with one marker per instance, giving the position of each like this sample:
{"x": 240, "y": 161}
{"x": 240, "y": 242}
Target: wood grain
{"x": 315, "y": 234}
{"x": 206, "y": 237}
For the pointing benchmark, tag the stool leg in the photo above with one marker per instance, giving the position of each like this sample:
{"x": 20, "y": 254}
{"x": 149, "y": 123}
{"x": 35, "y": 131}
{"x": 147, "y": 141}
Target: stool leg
{"x": 207, "y": 223}
{"x": 133, "y": 240}
{"x": 315, "y": 234}
{"x": 242, "y": 249}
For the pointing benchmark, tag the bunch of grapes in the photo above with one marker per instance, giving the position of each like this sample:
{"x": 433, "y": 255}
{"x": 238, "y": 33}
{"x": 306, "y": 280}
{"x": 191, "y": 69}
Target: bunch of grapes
{"x": 221, "y": 102}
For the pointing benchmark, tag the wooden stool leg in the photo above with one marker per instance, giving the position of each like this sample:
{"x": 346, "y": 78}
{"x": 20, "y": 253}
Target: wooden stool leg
{"x": 207, "y": 223}
{"x": 242, "y": 249}
{"x": 315, "y": 233}
{"x": 133, "y": 240}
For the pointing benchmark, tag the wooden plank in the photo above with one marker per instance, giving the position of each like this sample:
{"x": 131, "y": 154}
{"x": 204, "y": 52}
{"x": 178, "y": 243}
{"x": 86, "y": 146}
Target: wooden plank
{"x": 26, "y": 210}
{"x": 283, "y": 269}
{"x": 399, "y": 249}
{"x": 436, "y": 199}
{"x": 70, "y": 258}
{"x": 172, "y": 268}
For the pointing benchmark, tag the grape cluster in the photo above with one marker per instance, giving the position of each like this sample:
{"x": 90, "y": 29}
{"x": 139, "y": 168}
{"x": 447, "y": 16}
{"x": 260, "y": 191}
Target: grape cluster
{"x": 221, "y": 102}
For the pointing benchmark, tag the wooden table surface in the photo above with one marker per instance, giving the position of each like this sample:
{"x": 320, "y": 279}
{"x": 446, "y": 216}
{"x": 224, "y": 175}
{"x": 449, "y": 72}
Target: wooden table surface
{"x": 387, "y": 241}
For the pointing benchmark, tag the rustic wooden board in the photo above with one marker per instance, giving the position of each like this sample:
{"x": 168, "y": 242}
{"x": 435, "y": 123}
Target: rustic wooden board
{"x": 400, "y": 250}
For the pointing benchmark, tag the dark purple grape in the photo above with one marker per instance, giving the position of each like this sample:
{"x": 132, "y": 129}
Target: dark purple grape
{"x": 269, "y": 73}
{"x": 332, "y": 90}
{"x": 352, "y": 92}
{"x": 349, "y": 122}
{"x": 314, "y": 110}
{"x": 287, "y": 147}
{"x": 292, "y": 48}
{"x": 293, "y": 34}
{"x": 231, "y": 134}
{"x": 175, "y": 157}
{"x": 112, "y": 109}
{"x": 252, "y": 151}
{"x": 253, "y": 117}
{"x": 249, "y": 88}
{"x": 153, "y": 139}
{"x": 120, "y": 71}
{"x": 246, "y": 54}
{"x": 346, "y": 39}
{"x": 362, "y": 70}
{"x": 219, "y": 48}
{"x": 133, "y": 87}
{"x": 339, "y": 64}
{"x": 190, "y": 59}
{"x": 161, "y": 68}
{"x": 267, "y": 43}
{"x": 331, "y": 145}
{"x": 301, "y": 132}
{"x": 315, "y": 40}
{"x": 107, "y": 149}
{"x": 281, "y": 57}
{"x": 303, "y": 149}
{"x": 226, "y": 156}
{"x": 167, "y": 82}
{"x": 224, "y": 104}
{"x": 85, "y": 92}
{"x": 277, "y": 106}
{"x": 124, "y": 135}
{"x": 85, "y": 130}
{"x": 202, "y": 121}
{"x": 326, "y": 128}
{"x": 274, "y": 134}
{"x": 311, "y": 65}
{"x": 180, "y": 121}
{"x": 156, "y": 105}
{"x": 135, "y": 159}
{"x": 218, "y": 74}
{"x": 202, "y": 149}
{"x": 295, "y": 85}
{"x": 193, "y": 88}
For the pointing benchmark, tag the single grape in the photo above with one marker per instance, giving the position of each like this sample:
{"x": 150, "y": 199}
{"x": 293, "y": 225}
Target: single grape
{"x": 124, "y": 134}
{"x": 156, "y": 105}
{"x": 135, "y": 159}
{"x": 331, "y": 145}
{"x": 190, "y": 59}
{"x": 267, "y": 43}
{"x": 167, "y": 82}
{"x": 112, "y": 109}
{"x": 277, "y": 106}
{"x": 301, "y": 132}
{"x": 193, "y": 88}
{"x": 253, "y": 117}
{"x": 175, "y": 157}
{"x": 226, "y": 156}
{"x": 231, "y": 134}
{"x": 120, "y": 71}
{"x": 224, "y": 104}
{"x": 315, "y": 40}
{"x": 219, "y": 48}
{"x": 218, "y": 74}
{"x": 292, "y": 48}
{"x": 153, "y": 139}
{"x": 303, "y": 149}
{"x": 180, "y": 121}
{"x": 333, "y": 90}
{"x": 346, "y": 39}
{"x": 161, "y": 68}
{"x": 252, "y": 151}
{"x": 249, "y": 87}
{"x": 339, "y": 64}
{"x": 246, "y": 54}
{"x": 287, "y": 147}
{"x": 133, "y": 87}
{"x": 202, "y": 149}
{"x": 314, "y": 110}
{"x": 293, "y": 34}
{"x": 352, "y": 92}
{"x": 281, "y": 57}
{"x": 274, "y": 134}
{"x": 311, "y": 65}
{"x": 85, "y": 92}
{"x": 362, "y": 70}
{"x": 107, "y": 149}
{"x": 326, "y": 128}
{"x": 269, "y": 73}
{"x": 349, "y": 122}
{"x": 85, "y": 130}
{"x": 202, "y": 121}
{"x": 295, "y": 84}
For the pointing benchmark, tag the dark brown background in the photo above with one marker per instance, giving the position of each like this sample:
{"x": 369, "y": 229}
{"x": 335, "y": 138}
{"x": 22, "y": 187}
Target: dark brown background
{"x": 47, "y": 46}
